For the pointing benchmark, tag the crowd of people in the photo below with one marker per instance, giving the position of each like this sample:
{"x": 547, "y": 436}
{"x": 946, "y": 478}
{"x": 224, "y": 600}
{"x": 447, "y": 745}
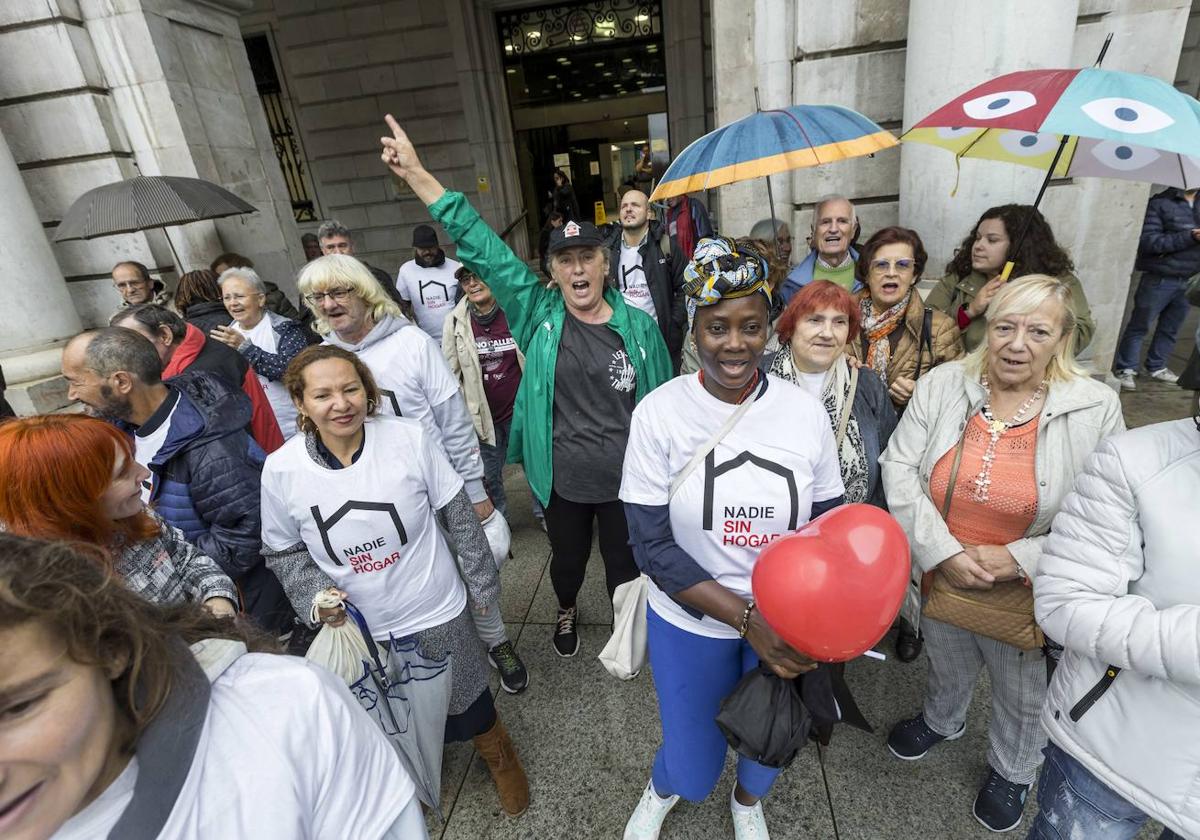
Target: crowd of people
{"x": 683, "y": 396}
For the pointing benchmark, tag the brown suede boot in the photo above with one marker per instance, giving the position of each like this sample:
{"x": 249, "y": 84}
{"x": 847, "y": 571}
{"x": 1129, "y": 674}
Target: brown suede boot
{"x": 498, "y": 751}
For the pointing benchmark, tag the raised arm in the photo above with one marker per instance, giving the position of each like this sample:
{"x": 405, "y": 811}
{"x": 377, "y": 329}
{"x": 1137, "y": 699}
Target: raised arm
{"x": 515, "y": 286}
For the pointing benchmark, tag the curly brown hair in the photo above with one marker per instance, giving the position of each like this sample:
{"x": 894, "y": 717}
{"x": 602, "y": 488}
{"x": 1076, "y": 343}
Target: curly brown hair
{"x": 71, "y": 590}
{"x": 1039, "y": 251}
{"x": 293, "y": 378}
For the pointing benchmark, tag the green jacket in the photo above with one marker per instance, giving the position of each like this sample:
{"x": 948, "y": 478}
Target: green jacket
{"x": 535, "y": 316}
{"x": 952, "y": 292}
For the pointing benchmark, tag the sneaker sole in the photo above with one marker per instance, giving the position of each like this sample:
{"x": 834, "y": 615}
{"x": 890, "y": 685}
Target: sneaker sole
{"x": 503, "y": 684}
{"x": 996, "y": 830}
{"x": 568, "y": 655}
{"x": 953, "y": 737}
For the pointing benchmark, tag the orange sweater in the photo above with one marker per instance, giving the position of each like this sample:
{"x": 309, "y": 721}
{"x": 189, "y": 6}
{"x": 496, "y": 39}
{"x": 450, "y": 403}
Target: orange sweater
{"x": 1012, "y": 496}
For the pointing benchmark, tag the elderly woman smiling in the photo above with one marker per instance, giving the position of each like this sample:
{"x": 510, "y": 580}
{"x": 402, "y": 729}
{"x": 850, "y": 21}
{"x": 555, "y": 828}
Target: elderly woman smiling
{"x": 976, "y": 471}
{"x": 267, "y": 340}
{"x": 813, "y": 333}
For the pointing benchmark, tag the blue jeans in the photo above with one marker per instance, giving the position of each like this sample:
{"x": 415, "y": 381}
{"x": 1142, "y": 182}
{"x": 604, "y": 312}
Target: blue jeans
{"x": 1074, "y": 803}
{"x": 493, "y": 470}
{"x": 1156, "y": 297}
{"x": 692, "y": 675}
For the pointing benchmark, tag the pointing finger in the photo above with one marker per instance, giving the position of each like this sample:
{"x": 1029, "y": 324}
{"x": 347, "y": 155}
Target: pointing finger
{"x": 397, "y": 131}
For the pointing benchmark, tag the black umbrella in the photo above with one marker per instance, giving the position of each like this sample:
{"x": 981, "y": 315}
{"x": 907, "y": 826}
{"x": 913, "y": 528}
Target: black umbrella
{"x": 147, "y": 202}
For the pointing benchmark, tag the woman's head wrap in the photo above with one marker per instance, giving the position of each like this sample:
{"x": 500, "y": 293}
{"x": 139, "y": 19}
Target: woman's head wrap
{"x": 721, "y": 270}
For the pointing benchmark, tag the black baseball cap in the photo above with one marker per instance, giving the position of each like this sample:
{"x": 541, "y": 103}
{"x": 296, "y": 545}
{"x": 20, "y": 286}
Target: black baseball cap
{"x": 574, "y": 235}
{"x": 425, "y": 237}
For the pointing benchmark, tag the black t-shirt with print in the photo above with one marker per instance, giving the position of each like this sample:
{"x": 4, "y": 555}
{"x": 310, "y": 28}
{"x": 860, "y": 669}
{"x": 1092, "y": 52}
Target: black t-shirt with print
{"x": 594, "y": 394}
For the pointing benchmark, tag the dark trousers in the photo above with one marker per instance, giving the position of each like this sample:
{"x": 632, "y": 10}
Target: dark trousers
{"x": 569, "y": 526}
{"x": 1161, "y": 298}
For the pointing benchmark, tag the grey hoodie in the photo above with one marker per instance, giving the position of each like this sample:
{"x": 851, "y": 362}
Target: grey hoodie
{"x": 453, "y": 421}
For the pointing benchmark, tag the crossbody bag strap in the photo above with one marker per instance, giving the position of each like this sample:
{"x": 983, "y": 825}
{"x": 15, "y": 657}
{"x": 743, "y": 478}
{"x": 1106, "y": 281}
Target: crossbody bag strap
{"x": 712, "y": 442}
{"x": 844, "y": 421}
{"x": 958, "y": 453}
{"x": 925, "y": 340}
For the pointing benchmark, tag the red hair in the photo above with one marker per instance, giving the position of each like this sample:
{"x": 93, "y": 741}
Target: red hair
{"x": 813, "y": 297}
{"x": 53, "y": 471}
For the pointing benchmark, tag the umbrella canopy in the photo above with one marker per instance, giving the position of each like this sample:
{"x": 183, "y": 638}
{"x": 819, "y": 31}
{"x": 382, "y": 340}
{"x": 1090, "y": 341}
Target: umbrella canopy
{"x": 769, "y": 142}
{"x": 1119, "y": 125}
{"x": 147, "y": 202}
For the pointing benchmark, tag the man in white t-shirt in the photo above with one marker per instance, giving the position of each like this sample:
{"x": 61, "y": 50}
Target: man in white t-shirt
{"x": 647, "y": 267}
{"x": 427, "y": 282}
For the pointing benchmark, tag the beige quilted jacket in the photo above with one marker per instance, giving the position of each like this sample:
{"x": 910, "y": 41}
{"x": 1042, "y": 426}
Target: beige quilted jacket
{"x": 1076, "y": 416}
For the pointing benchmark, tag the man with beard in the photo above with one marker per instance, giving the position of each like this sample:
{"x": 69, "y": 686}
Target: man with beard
{"x": 835, "y": 229}
{"x": 335, "y": 239}
{"x": 647, "y": 268}
{"x": 426, "y": 282}
{"x": 190, "y": 433}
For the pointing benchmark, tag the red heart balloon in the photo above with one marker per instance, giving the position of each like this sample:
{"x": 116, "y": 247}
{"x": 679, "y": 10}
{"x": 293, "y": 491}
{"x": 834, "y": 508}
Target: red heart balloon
{"x": 832, "y": 589}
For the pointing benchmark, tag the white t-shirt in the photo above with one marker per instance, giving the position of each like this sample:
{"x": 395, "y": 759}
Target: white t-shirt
{"x": 262, "y": 336}
{"x": 431, "y": 291}
{"x": 146, "y": 446}
{"x": 412, "y": 376}
{"x": 812, "y": 384}
{"x": 756, "y": 486}
{"x": 370, "y": 526}
{"x": 286, "y": 754}
{"x": 631, "y": 280}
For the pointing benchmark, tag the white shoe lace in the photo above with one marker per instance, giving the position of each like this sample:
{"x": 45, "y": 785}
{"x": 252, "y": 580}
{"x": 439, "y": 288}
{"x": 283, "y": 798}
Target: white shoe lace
{"x": 750, "y": 825}
{"x": 647, "y": 819}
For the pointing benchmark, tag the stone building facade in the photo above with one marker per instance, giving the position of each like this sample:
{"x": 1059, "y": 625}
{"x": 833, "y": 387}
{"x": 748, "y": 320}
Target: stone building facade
{"x": 281, "y": 101}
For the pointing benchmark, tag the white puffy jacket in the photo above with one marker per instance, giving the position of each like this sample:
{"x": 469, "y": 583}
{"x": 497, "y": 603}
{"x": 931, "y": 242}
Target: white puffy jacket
{"x": 1119, "y": 585}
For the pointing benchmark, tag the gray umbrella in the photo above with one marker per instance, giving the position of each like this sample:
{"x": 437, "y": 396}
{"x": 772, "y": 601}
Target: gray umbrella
{"x": 147, "y": 202}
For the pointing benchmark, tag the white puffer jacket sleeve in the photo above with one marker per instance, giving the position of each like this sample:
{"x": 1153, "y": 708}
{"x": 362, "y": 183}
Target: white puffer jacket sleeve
{"x": 1093, "y": 552}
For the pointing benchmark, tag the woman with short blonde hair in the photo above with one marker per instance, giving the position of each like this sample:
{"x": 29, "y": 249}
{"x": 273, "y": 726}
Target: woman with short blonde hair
{"x": 975, "y": 472}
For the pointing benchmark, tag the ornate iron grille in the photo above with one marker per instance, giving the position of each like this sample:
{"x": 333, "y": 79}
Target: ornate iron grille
{"x": 562, "y": 27}
{"x": 283, "y": 135}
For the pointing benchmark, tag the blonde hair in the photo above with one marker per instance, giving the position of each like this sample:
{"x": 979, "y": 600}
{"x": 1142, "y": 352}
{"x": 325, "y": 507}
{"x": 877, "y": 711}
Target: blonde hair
{"x": 333, "y": 270}
{"x": 1020, "y": 297}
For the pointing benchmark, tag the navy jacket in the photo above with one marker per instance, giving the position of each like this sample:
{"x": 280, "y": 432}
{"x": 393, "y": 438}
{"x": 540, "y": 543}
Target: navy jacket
{"x": 1167, "y": 247}
{"x": 207, "y": 480}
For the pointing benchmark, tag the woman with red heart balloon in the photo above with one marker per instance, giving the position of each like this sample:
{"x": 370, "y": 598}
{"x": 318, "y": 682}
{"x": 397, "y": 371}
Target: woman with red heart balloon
{"x": 711, "y": 477}
{"x": 975, "y": 472}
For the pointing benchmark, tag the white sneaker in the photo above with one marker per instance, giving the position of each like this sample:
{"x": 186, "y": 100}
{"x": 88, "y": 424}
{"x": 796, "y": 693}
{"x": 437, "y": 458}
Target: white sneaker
{"x": 1164, "y": 375}
{"x": 1126, "y": 379}
{"x": 648, "y": 816}
{"x": 748, "y": 823}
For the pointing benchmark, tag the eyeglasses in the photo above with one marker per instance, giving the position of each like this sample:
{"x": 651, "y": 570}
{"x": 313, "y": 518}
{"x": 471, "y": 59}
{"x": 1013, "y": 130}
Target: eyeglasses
{"x": 900, "y": 265}
{"x": 335, "y": 295}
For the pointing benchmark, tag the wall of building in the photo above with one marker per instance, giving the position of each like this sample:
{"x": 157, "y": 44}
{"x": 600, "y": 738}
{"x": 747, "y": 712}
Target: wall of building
{"x": 855, "y": 54}
{"x": 345, "y": 64}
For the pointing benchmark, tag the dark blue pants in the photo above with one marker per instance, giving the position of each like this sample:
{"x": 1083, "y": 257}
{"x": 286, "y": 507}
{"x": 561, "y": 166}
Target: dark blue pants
{"x": 1156, "y": 297}
{"x": 493, "y": 470}
{"x": 1074, "y": 803}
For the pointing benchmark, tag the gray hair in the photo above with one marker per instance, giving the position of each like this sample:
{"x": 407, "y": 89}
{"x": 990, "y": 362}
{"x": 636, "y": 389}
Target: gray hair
{"x": 152, "y": 316}
{"x": 332, "y": 228}
{"x": 766, "y": 230}
{"x": 825, "y": 199}
{"x": 249, "y": 275}
{"x": 115, "y": 349}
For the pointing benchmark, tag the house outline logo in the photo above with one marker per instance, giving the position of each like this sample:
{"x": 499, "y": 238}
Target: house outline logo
{"x": 324, "y": 526}
{"x": 713, "y": 471}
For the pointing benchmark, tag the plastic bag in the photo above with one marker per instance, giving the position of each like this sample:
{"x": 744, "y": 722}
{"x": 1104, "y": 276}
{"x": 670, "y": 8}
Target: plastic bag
{"x": 341, "y": 650}
{"x": 764, "y": 718}
{"x": 499, "y": 536}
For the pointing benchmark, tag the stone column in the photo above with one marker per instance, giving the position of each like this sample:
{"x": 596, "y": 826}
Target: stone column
{"x": 38, "y": 314}
{"x": 953, "y": 46}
